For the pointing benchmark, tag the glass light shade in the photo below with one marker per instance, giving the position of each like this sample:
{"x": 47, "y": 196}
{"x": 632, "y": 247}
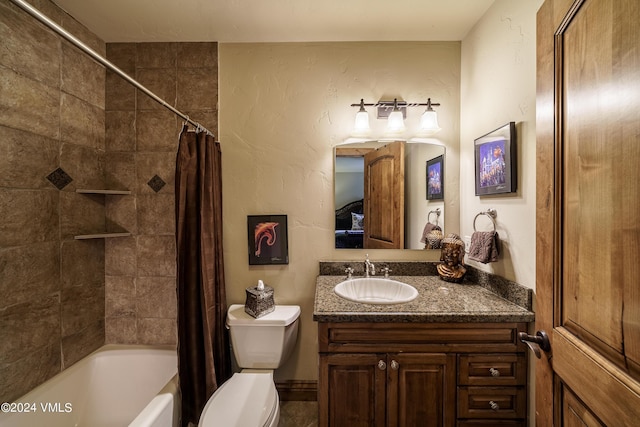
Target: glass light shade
{"x": 395, "y": 122}
{"x": 361, "y": 125}
{"x": 429, "y": 123}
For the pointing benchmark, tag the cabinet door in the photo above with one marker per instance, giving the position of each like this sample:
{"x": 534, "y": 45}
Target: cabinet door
{"x": 421, "y": 390}
{"x": 352, "y": 390}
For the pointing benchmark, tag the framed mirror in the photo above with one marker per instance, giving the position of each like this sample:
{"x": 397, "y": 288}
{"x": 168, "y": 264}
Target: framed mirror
{"x": 382, "y": 194}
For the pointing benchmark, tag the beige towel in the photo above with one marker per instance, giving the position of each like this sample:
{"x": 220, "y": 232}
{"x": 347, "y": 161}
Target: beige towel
{"x": 428, "y": 228}
{"x": 484, "y": 246}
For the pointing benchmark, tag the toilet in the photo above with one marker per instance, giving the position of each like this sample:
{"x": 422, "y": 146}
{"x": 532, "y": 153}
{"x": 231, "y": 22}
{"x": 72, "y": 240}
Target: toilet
{"x": 249, "y": 398}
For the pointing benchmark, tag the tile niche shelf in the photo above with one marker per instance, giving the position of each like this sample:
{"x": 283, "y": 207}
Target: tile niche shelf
{"x": 102, "y": 235}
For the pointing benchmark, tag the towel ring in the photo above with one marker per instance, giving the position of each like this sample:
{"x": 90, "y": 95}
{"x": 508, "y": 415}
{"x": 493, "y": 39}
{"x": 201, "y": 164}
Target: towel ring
{"x": 437, "y": 212}
{"x": 491, "y": 213}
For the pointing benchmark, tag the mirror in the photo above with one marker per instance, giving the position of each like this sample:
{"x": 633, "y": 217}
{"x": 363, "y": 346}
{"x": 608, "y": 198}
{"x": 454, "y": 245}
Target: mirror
{"x": 352, "y": 229}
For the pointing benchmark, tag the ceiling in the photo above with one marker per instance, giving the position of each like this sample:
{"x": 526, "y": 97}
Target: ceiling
{"x": 277, "y": 20}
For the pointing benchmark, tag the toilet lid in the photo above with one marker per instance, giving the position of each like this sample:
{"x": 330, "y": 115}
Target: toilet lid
{"x": 248, "y": 399}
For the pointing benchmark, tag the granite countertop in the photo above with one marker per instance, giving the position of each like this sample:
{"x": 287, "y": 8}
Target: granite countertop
{"x": 437, "y": 301}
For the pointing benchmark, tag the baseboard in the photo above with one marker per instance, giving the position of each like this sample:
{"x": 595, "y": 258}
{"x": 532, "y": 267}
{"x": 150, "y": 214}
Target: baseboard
{"x": 297, "y": 390}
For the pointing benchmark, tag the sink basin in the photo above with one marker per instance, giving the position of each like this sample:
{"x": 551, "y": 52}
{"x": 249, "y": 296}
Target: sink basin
{"x": 373, "y": 290}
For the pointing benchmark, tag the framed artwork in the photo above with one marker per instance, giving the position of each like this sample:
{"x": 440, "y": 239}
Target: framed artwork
{"x": 495, "y": 161}
{"x": 268, "y": 239}
{"x": 435, "y": 178}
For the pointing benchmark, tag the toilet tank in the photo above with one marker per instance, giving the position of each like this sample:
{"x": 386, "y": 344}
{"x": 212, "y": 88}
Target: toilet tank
{"x": 265, "y": 342}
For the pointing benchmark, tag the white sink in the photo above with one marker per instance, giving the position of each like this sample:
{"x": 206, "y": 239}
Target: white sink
{"x": 374, "y": 290}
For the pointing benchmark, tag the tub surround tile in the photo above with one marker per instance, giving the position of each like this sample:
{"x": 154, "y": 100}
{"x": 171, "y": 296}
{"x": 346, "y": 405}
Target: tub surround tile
{"x": 82, "y": 77}
{"x": 156, "y": 55}
{"x": 29, "y": 326}
{"x": 81, "y": 343}
{"x": 80, "y": 260}
{"x": 29, "y": 105}
{"x": 161, "y": 81}
{"x": 121, "y": 330}
{"x": 84, "y": 164}
{"x": 81, "y": 214}
{"x": 59, "y": 178}
{"x": 197, "y": 55}
{"x": 26, "y": 158}
{"x": 156, "y": 131}
{"x": 18, "y": 378}
{"x": 81, "y": 306}
{"x": 28, "y": 216}
{"x": 81, "y": 123}
{"x": 120, "y": 171}
{"x": 120, "y": 296}
{"x": 156, "y": 256}
{"x": 156, "y": 214}
{"x": 27, "y": 272}
{"x": 121, "y": 95}
{"x": 120, "y": 131}
{"x": 156, "y": 297}
{"x": 28, "y": 48}
{"x": 120, "y": 214}
{"x": 120, "y": 258}
{"x": 157, "y": 331}
{"x": 196, "y": 87}
{"x": 123, "y": 56}
{"x": 150, "y": 164}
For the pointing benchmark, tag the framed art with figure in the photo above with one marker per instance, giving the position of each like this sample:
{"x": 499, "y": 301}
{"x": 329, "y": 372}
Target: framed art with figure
{"x": 495, "y": 161}
{"x": 435, "y": 178}
{"x": 268, "y": 239}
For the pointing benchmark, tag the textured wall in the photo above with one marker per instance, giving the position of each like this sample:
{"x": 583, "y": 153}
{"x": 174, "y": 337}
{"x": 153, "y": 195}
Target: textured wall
{"x": 284, "y": 107}
{"x": 141, "y": 144}
{"x": 51, "y": 116}
{"x": 498, "y": 85}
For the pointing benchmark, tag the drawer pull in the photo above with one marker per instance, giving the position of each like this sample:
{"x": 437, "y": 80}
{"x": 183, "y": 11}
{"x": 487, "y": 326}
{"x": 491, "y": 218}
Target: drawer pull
{"x": 494, "y": 372}
{"x": 394, "y": 365}
{"x": 382, "y": 365}
{"x": 494, "y": 405}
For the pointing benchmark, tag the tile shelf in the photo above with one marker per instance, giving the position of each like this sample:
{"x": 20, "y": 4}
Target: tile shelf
{"x": 108, "y": 192}
{"x": 102, "y": 235}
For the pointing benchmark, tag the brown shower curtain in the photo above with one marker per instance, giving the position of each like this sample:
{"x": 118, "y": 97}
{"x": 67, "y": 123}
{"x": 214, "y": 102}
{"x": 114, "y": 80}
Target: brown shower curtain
{"x": 203, "y": 343}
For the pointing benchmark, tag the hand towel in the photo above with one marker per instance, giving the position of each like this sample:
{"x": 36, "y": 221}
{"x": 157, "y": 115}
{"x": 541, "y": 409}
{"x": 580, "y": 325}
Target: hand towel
{"x": 484, "y": 246}
{"x": 428, "y": 228}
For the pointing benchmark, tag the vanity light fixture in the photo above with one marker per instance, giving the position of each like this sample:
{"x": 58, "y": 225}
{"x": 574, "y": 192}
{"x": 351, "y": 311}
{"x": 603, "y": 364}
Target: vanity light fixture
{"x": 361, "y": 126}
{"x": 395, "y": 113}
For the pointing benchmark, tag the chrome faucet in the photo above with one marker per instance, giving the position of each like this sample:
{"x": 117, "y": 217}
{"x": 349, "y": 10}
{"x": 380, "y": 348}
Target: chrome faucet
{"x": 369, "y": 268}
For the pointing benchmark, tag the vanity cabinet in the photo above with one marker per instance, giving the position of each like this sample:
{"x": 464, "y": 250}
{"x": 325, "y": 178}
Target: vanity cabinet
{"x": 422, "y": 374}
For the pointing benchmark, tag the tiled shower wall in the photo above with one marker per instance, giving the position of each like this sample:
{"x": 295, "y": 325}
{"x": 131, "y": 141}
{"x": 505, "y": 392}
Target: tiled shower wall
{"x": 59, "y": 296}
{"x": 51, "y": 116}
{"x": 141, "y": 144}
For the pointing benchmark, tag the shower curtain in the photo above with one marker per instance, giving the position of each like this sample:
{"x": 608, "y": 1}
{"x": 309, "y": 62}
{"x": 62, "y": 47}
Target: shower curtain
{"x": 203, "y": 342}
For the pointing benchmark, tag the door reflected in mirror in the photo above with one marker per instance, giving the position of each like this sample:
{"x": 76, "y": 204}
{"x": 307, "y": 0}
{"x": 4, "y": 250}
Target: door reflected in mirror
{"x": 381, "y": 195}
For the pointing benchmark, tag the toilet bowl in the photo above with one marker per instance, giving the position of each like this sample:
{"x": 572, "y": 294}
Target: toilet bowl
{"x": 249, "y": 398}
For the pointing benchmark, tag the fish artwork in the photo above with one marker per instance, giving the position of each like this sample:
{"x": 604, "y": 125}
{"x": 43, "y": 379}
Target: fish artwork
{"x": 265, "y": 232}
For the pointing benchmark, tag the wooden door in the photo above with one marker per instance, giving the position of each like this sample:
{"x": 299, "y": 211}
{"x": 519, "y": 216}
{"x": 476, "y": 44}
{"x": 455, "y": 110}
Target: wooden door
{"x": 355, "y": 390}
{"x": 588, "y": 212}
{"x": 384, "y": 197}
{"x": 421, "y": 390}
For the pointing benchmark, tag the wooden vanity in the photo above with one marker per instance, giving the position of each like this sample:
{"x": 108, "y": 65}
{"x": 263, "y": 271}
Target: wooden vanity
{"x": 449, "y": 358}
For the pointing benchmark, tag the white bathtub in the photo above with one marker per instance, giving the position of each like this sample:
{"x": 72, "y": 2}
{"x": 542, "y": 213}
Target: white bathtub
{"x": 114, "y": 386}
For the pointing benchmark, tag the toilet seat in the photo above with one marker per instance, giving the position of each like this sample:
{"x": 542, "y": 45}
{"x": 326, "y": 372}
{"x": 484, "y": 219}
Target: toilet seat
{"x": 248, "y": 399}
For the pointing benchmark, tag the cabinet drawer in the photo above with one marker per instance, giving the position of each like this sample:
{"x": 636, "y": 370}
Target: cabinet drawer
{"x": 492, "y": 402}
{"x": 492, "y": 369}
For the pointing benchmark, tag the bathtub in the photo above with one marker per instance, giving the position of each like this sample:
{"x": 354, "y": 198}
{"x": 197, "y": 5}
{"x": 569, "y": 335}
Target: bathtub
{"x": 117, "y": 385}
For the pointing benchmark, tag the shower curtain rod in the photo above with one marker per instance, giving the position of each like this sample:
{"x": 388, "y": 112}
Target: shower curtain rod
{"x": 103, "y": 61}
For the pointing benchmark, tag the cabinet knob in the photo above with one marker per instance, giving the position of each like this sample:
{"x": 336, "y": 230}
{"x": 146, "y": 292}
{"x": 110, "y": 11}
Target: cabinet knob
{"x": 395, "y": 365}
{"x": 382, "y": 365}
{"x": 494, "y": 405}
{"x": 494, "y": 372}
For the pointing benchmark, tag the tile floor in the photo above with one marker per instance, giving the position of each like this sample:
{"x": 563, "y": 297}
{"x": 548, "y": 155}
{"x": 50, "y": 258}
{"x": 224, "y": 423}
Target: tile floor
{"x": 295, "y": 413}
